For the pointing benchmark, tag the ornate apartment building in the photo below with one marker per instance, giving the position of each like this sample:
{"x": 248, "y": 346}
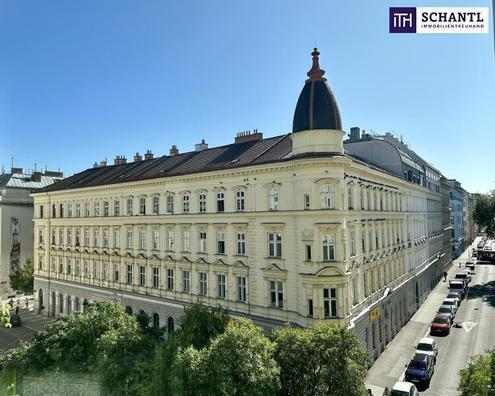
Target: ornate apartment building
{"x": 287, "y": 228}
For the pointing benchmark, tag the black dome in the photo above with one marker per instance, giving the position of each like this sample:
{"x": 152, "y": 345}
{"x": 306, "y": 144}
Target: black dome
{"x": 316, "y": 107}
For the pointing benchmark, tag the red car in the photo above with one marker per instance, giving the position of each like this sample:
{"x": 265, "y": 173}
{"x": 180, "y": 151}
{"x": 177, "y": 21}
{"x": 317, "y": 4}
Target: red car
{"x": 440, "y": 324}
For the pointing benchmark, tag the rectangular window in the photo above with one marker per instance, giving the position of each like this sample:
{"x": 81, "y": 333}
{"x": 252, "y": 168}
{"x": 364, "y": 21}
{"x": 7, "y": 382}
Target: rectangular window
{"x": 353, "y": 243}
{"x": 307, "y": 204}
{"x": 105, "y": 237}
{"x": 129, "y": 274}
{"x": 220, "y": 243}
{"x": 308, "y": 252}
{"x": 69, "y": 236}
{"x": 105, "y": 271}
{"x": 69, "y": 266}
{"x": 310, "y": 307}
{"x": 170, "y": 204}
{"x": 241, "y": 243}
{"x": 41, "y": 265}
{"x": 69, "y": 210}
{"x": 241, "y": 288}
{"x": 142, "y": 275}
{"x": 61, "y": 236}
{"x": 60, "y": 265}
{"x": 327, "y": 195}
{"x": 202, "y": 203}
{"x": 156, "y": 240}
{"x": 273, "y": 198}
{"x": 95, "y": 269}
{"x": 130, "y": 240}
{"x": 203, "y": 283}
{"x": 202, "y": 242}
{"x": 350, "y": 198}
{"x": 328, "y": 244}
{"x": 170, "y": 241}
{"x": 142, "y": 240}
{"x": 142, "y": 205}
{"x": 221, "y": 286}
{"x": 95, "y": 237}
{"x": 170, "y": 279}
{"x": 156, "y": 204}
{"x": 276, "y": 294}
{"x": 96, "y": 208}
{"x": 86, "y": 209}
{"x": 86, "y": 268}
{"x": 78, "y": 237}
{"x": 54, "y": 211}
{"x": 106, "y": 208}
{"x": 220, "y": 202}
{"x": 53, "y": 264}
{"x": 156, "y": 277}
{"x": 78, "y": 209}
{"x": 41, "y": 211}
{"x": 54, "y": 236}
{"x": 185, "y": 203}
{"x": 185, "y": 241}
{"x": 116, "y": 238}
{"x": 186, "y": 281}
{"x": 330, "y": 303}
{"x": 40, "y": 235}
{"x": 129, "y": 206}
{"x": 275, "y": 245}
{"x": 239, "y": 201}
{"x": 116, "y": 273}
{"x": 116, "y": 207}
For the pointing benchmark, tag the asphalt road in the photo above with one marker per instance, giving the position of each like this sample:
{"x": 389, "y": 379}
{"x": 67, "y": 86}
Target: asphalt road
{"x": 476, "y": 317}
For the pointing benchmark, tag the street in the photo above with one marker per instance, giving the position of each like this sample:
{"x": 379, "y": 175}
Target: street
{"x": 472, "y": 335}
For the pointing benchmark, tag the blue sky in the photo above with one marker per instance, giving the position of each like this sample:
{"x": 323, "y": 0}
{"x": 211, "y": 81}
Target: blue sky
{"x": 85, "y": 80}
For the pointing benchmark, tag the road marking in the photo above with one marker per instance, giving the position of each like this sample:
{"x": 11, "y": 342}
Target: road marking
{"x": 468, "y": 326}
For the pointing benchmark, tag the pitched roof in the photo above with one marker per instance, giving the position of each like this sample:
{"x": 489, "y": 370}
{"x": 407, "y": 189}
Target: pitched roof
{"x": 231, "y": 156}
{"x": 22, "y": 180}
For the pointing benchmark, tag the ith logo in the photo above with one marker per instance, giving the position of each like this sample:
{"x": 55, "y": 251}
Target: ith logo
{"x": 402, "y": 20}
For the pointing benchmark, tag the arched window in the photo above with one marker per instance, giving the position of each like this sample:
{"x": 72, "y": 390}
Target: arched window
{"x": 77, "y": 305}
{"x": 69, "y": 305}
{"x": 128, "y": 310}
{"x": 85, "y": 306}
{"x": 156, "y": 320}
{"x": 170, "y": 325}
{"x": 40, "y": 299}
{"x": 54, "y": 302}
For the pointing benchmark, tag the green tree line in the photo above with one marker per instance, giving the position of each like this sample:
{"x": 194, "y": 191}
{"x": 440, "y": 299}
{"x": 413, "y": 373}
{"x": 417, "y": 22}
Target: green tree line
{"x": 211, "y": 354}
{"x": 484, "y": 213}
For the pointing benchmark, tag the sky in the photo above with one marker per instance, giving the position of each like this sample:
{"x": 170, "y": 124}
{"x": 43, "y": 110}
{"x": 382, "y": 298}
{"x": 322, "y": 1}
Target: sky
{"x": 81, "y": 81}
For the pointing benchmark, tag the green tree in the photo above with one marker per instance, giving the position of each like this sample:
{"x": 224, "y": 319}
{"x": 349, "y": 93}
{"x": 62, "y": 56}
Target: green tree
{"x": 238, "y": 362}
{"x": 5, "y": 316}
{"x": 23, "y": 278}
{"x": 484, "y": 213}
{"x": 477, "y": 378}
{"x": 323, "y": 360}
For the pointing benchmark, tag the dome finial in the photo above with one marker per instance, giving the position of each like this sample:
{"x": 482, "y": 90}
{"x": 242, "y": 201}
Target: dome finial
{"x": 316, "y": 73}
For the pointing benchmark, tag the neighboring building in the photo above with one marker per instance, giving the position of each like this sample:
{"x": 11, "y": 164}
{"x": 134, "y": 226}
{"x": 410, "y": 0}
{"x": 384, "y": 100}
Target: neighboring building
{"x": 457, "y": 216}
{"x": 287, "y": 228}
{"x": 469, "y": 232}
{"x": 16, "y": 219}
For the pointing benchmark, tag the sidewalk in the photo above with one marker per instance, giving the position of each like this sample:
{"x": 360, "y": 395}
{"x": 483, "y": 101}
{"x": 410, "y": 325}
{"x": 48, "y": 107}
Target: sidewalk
{"x": 390, "y": 365}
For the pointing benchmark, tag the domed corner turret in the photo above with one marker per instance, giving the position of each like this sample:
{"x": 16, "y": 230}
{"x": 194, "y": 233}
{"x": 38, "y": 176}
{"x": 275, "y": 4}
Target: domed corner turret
{"x": 317, "y": 127}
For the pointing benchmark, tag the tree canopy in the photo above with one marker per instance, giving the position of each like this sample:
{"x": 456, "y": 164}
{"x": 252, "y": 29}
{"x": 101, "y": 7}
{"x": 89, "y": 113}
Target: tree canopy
{"x": 484, "y": 213}
{"x": 23, "y": 278}
{"x": 478, "y": 378}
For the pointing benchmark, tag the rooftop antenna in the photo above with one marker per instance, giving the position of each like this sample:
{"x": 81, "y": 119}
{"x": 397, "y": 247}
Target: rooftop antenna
{"x": 12, "y": 162}
{"x": 35, "y": 166}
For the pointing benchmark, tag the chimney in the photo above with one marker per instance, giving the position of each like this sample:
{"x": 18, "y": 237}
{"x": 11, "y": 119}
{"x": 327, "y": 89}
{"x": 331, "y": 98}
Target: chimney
{"x": 120, "y": 160}
{"x": 16, "y": 170}
{"x": 201, "y": 146}
{"x": 138, "y": 157}
{"x": 355, "y": 134}
{"x": 103, "y": 163}
{"x": 148, "y": 155}
{"x": 95, "y": 165}
{"x": 247, "y": 136}
{"x": 36, "y": 176}
{"x": 174, "y": 150}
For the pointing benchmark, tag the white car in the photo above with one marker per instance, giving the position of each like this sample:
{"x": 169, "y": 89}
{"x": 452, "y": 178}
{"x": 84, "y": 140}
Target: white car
{"x": 455, "y": 296}
{"x": 451, "y": 301}
{"x": 402, "y": 388}
{"x": 428, "y": 346}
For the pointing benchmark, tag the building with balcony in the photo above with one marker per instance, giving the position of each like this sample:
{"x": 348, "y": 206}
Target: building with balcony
{"x": 291, "y": 228}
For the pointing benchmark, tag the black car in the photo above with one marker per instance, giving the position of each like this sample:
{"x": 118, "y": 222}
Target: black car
{"x": 420, "y": 369}
{"x": 15, "y": 320}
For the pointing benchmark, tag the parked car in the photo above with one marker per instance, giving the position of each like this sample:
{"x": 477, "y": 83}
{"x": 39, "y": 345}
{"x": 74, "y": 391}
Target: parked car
{"x": 463, "y": 275}
{"x": 15, "y": 320}
{"x": 440, "y": 324}
{"x": 420, "y": 369}
{"x": 428, "y": 346}
{"x": 455, "y": 296}
{"x": 470, "y": 265}
{"x": 402, "y": 388}
{"x": 452, "y": 302}
{"x": 447, "y": 310}
{"x": 457, "y": 286}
